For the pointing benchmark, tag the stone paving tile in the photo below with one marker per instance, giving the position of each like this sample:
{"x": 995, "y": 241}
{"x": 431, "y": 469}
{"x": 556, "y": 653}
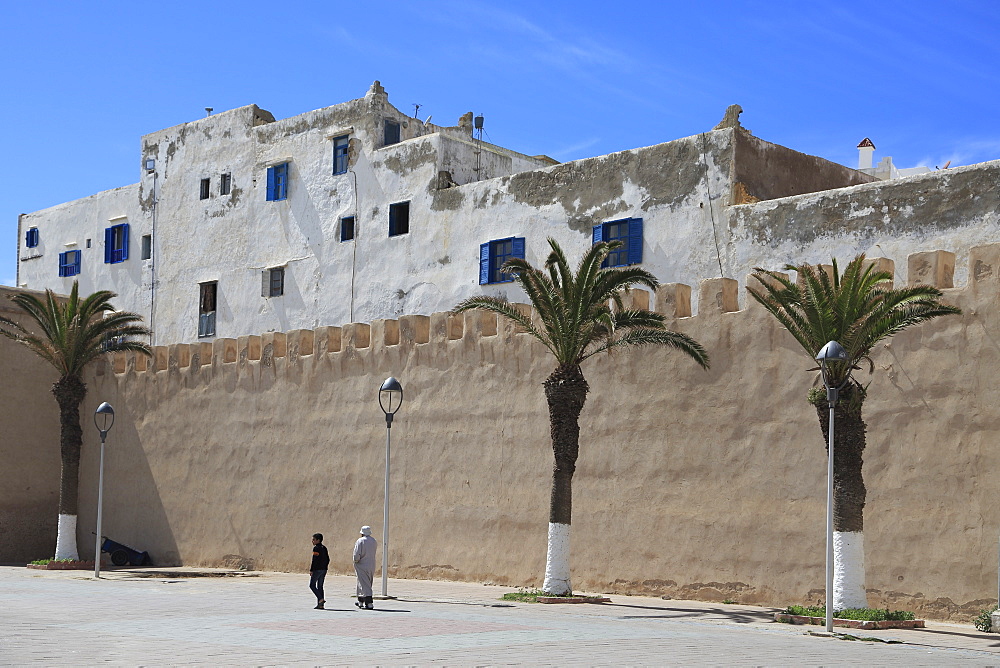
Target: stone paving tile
{"x": 68, "y": 618}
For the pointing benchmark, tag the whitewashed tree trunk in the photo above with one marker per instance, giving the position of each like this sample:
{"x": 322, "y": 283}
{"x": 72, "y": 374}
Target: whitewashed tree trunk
{"x": 66, "y": 538}
{"x": 849, "y": 570}
{"x": 557, "y": 561}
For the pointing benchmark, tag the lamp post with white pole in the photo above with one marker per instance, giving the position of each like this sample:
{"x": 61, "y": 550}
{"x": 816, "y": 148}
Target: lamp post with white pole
{"x": 104, "y": 418}
{"x": 389, "y": 394}
{"x": 831, "y": 352}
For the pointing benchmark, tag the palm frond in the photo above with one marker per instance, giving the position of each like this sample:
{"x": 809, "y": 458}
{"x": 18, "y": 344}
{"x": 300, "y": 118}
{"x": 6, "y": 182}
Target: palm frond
{"x": 73, "y": 332}
{"x": 575, "y": 308}
{"x": 856, "y": 308}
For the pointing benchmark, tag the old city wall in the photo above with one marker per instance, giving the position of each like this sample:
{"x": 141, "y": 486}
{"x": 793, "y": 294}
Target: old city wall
{"x": 707, "y": 485}
{"x": 29, "y": 450}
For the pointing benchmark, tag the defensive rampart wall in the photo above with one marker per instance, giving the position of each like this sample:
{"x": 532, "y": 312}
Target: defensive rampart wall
{"x": 690, "y": 484}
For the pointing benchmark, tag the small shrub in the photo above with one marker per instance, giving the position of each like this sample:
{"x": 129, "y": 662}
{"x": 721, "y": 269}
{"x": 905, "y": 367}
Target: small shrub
{"x": 40, "y": 562}
{"x": 730, "y": 601}
{"x": 523, "y": 595}
{"x": 983, "y": 621}
{"x": 861, "y": 614}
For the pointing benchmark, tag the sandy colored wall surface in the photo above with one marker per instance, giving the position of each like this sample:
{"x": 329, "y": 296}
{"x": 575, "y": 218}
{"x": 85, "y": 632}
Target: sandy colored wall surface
{"x": 29, "y": 451}
{"x": 693, "y": 484}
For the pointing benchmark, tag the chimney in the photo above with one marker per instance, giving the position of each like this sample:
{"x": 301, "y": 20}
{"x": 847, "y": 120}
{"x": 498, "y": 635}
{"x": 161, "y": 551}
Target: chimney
{"x": 865, "y": 151}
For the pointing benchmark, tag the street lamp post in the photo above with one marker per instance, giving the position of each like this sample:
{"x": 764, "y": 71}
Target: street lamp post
{"x": 104, "y": 418}
{"x": 831, "y": 352}
{"x": 390, "y": 393}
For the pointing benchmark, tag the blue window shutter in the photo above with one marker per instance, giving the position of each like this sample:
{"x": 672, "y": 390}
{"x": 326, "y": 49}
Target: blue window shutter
{"x": 124, "y": 254}
{"x": 76, "y": 262}
{"x": 109, "y": 236}
{"x": 635, "y": 240}
{"x": 518, "y": 247}
{"x": 270, "y": 184}
{"x": 281, "y": 181}
{"x": 484, "y": 263}
{"x": 598, "y": 233}
{"x": 62, "y": 264}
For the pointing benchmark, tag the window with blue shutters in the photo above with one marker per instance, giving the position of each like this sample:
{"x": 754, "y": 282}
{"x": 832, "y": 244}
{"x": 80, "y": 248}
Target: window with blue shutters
{"x": 626, "y": 230}
{"x": 116, "y": 243}
{"x": 31, "y": 237}
{"x": 69, "y": 263}
{"x": 493, "y": 255}
{"x": 277, "y": 182}
{"x": 340, "y": 145}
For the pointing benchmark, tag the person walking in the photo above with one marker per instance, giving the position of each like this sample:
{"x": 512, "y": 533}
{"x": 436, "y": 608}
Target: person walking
{"x": 317, "y": 569}
{"x": 364, "y": 566}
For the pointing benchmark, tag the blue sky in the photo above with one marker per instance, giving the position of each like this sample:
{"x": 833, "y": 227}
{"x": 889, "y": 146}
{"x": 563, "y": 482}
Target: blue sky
{"x": 568, "y": 79}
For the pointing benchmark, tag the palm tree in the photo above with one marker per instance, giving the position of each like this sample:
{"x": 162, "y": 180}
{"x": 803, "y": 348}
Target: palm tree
{"x": 577, "y": 321}
{"x": 858, "y": 309}
{"x": 69, "y": 334}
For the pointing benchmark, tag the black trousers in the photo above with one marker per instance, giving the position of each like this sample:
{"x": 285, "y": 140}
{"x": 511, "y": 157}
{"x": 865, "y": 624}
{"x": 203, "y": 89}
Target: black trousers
{"x": 316, "y": 584}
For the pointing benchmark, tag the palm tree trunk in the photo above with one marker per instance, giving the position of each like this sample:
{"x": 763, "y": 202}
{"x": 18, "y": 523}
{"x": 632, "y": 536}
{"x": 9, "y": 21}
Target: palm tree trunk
{"x": 848, "y": 496}
{"x": 566, "y": 392}
{"x": 69, "y": 392}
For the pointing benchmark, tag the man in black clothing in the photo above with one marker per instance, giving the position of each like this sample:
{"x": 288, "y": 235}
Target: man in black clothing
{"x": 317, "y": 569}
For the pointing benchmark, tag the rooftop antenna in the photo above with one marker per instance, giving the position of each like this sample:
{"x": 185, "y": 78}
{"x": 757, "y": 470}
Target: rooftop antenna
{"x": 478, "y": 124}
{"x": 416, "y": 108}
{"x": 208, "y": 111}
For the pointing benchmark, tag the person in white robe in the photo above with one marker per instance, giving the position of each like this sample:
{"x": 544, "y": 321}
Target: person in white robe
{"x": 364, "y": 567}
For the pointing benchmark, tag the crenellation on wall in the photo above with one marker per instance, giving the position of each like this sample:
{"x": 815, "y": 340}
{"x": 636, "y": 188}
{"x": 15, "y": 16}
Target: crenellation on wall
{"x": 161, "y": 358}
{"x": 356, "y": 335}
{"x": 984, "y": 266}
{"x": 935, "y": 268}
{"x": 479, "y": 324}
{"x": 718, "y": 295}
{"x": 414, "y": 329}
{"x": 118, "y": 362}
{"x": 205, "y": 353}
{"x": 882, "y": 264}
{"x": 673, "y": 300}
{"x": 636, "y": 298}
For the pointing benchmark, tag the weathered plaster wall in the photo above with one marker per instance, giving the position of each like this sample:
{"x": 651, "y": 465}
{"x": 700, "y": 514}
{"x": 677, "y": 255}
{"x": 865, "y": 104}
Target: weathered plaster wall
{"x": 29, "y": 450}
{"x": 954, "y": 209}
{"x": 770, "y": 171}
{"x": 74, "y": 225}
{"x": 694, "y": 484}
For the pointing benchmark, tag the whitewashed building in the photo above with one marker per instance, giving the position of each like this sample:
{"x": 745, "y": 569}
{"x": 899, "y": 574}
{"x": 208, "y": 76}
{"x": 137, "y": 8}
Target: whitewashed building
{"x": 242, "y": 224}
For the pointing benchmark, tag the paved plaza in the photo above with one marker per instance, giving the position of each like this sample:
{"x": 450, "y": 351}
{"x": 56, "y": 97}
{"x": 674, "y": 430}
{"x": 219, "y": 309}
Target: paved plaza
{"x": 67, "y": 618}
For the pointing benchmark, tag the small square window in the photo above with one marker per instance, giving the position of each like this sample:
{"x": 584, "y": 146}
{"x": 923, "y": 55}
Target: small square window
{"x": 493, "y": 255}
{"x": 69, "y": 263}
{"x": 347, "y": 228}
{"x": 88, "y": 243}
{"x": 277, "y": 182}
{"x": 626, "y": 230}
{"x": 147, "y": 246}
{"x": 340, "y": 146}
{"x": 206, "y": 186}
{"x": 31, "y": 237}
{"x": 399, "y": 218}
{"x": 225, "y": 184}
{"x": 207, "y": 293}
{"x": 273, "y": 282}
{"x": 391, "y": 132}
{"x": 116, "y": 244}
